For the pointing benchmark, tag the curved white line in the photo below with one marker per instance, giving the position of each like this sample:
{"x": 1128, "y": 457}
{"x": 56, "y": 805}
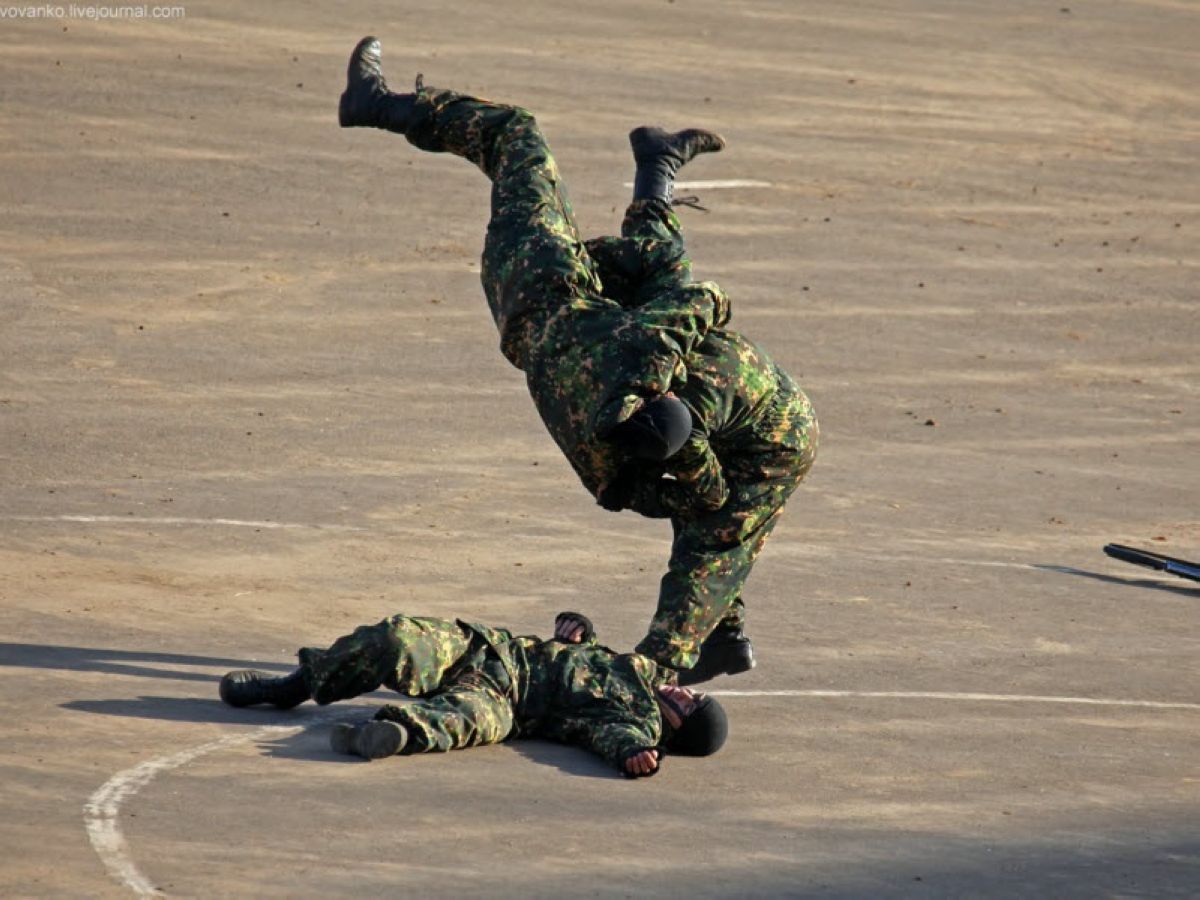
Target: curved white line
{"x": 100, "y": 813}
{"x": 946, "y": 695}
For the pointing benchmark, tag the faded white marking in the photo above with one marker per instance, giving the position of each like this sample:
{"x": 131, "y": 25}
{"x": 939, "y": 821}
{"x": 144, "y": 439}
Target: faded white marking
{"x": 964, "y": 697}
{"x": 176, "y": 520}
{"x": 711, "y": 185}
{"x": 101, "y": 812}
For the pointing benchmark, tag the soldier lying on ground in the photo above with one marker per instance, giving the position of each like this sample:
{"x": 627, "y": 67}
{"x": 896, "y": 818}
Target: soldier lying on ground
{"x": 480, "y": 685}
{"x": 657, "y": 409}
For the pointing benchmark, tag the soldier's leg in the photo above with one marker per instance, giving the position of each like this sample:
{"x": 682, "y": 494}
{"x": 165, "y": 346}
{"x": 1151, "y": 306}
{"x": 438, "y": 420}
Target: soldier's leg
{"x": 649, "y": 257}
{"x": 408, "y": 654}
{"x": 711, "y": 558}
{"x": 472, "y": 712}
{"x": 712, "y": 555}
{"x": 534, "y": 259}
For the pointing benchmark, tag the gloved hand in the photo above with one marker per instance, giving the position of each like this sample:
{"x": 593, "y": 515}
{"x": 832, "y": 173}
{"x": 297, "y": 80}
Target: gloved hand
{"x": 618, "y": 492}
{"x": 573, "y": 628}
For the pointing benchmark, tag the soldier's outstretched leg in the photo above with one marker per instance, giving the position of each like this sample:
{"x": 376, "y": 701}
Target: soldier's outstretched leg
{"x": 409, "y": 654}
{"x": 649, "y": 257}
{"x": 534, "y": 260}
{"x": 712, "y": 555}
{"x": 473, "y": 711}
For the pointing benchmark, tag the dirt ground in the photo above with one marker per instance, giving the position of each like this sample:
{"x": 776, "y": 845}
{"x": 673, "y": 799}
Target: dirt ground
{"x": 250, "y": 397}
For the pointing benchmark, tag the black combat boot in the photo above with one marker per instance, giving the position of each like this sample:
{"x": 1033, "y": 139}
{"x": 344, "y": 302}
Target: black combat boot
{"x": 660, "y": 154}
{"x": 370, "y": 740}
{"x": 727, "y": 651}
{"x": 249, "y": 687}
{"x": 367, "y": 102}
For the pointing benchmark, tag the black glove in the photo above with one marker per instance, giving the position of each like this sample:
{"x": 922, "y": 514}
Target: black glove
{"x": 589, "y": 631}
{"x": 617, "y": 494}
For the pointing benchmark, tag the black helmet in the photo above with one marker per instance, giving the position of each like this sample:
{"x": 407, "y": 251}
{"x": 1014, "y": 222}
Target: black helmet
{"x": 656, "y": 431}
{"x": 702, "y": 733}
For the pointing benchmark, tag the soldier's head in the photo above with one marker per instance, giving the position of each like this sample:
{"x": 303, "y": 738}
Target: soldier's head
{"x": 656, "y": 431}
{"x": 694, "y": 724}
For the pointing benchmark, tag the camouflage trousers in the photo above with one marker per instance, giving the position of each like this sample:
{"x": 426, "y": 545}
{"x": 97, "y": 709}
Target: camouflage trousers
{"x": 475, "y": 708}
{"x": 712, "y": 554}
{"x": 534, "y": 260}
{"x": 462, "y": 685}
{"x": 409, "y": 654}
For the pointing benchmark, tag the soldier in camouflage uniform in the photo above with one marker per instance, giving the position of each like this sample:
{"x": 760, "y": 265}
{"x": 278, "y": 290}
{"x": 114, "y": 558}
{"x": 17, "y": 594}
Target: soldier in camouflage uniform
{"x": 655, "y": 406}
{"x": 479, "y": 685}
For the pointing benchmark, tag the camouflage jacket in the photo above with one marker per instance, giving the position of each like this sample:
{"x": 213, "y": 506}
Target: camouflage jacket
{"x": 594, "y": 364}
{"x": 582, "y": 694}
{"x": 730, "y": 385}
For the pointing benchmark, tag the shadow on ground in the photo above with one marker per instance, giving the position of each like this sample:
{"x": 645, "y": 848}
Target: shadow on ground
{"x": 1127, "y": 865}
{"x": 311, "y": 742}
{"x": 119, "y": 662}
{"x": 1193, "y": 592}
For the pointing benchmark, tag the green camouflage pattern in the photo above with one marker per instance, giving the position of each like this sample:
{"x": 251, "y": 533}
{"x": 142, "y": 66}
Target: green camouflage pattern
{"x": 589, "y": 362}
{"x": 597, "y": 327}
{"x": 480, "y": 685}
{"x": 754, "y": 440}
{"x": 409, "y": 654}
{"x": 753, "y": 454}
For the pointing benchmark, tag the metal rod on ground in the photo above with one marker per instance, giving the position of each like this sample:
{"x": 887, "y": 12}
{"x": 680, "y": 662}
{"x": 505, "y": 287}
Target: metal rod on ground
{"x": 1152, "y": 560}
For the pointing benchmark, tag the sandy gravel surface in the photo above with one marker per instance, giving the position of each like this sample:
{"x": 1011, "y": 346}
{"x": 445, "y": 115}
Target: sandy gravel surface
{"x": 250, "y": 397}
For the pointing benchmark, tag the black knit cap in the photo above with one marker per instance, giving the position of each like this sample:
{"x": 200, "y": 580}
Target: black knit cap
{"x": 656, "y": 431}
{"x": 702, "y": 733}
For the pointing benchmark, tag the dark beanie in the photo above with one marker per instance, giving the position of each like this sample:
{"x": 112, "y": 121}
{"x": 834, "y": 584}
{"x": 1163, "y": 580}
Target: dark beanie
{"x": 656, "y": 431}
{"x": 702, "y": 733}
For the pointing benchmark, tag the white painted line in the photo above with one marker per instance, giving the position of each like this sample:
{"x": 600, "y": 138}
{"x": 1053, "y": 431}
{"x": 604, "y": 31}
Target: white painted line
{"x": 716, "y": 185}
{"x": 175, "y": 520}
{"x": 965, "y": 697}
{"x": 101, "y": 813}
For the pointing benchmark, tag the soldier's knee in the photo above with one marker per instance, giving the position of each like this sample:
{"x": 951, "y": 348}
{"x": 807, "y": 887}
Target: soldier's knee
{"x": 519, "y": 118}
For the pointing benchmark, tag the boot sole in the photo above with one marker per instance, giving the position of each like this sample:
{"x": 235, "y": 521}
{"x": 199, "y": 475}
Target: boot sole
{"x": 371, "y": 740}
{"x": 341, "y": 739}
{"x": 348, "y": 116}
{"x": 744, "y": 662}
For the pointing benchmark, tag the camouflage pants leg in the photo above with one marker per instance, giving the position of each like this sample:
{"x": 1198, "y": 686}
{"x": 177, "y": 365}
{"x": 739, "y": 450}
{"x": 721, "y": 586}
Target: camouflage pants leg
{"x": 409, "y": 654}
{"x": 534, "y": 259}
{"x": 712, "y": 555}
{"x": 648, "y": 258}
{"x": 474, "y": 710}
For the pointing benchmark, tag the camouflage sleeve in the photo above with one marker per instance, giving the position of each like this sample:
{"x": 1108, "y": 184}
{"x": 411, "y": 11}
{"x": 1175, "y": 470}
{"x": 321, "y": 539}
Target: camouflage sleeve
{"x": 680, "y": 318}
{"x": 696, "y": 486}
{"x": 618, "y": 739}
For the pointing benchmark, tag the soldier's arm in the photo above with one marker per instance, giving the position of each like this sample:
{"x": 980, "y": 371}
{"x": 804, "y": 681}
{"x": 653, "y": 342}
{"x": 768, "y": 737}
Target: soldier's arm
{"x": 625, "y": 743}
{"x": 696, "y": 484}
